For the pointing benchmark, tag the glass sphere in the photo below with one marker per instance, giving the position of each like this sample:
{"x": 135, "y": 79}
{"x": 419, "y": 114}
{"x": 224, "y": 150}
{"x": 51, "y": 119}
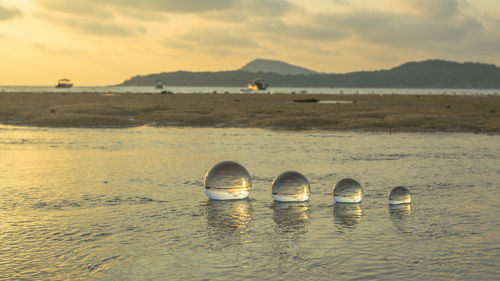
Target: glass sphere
{"x": 291, "y": 186}
{"x": 227, "y": 180}
{"x": 347, "y": 191}
{"x": 399, "y": 195}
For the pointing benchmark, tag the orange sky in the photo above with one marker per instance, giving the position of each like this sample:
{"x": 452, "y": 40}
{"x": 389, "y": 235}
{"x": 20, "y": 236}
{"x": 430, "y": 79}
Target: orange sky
{"x": 107, "y": 41}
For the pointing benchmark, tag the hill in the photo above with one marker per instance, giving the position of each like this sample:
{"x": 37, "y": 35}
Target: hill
{"x": 424, "y": 74}
{"x": 274, "y": 66}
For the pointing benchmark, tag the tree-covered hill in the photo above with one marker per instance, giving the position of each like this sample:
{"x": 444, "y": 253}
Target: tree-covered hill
{"x": 424, "y": 74}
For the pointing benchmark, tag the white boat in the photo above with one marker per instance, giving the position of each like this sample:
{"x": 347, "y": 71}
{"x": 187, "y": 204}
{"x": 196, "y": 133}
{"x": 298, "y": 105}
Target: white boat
{"x": 64, "y": 83}
{"x": 257, "y": 84}
{"x": 160, "y": 84}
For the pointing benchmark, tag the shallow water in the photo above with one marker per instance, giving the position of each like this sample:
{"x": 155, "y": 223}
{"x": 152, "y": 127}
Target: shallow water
{"x": 129, "y": 204}
{"x": 236, "y": 90}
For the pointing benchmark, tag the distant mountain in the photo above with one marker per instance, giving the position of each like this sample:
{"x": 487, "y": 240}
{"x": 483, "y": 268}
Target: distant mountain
{"x": 424, "y": 74}
{"x": 274, "y": 66}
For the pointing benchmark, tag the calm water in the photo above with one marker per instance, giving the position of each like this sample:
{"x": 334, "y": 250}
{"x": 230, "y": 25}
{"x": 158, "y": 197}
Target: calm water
{"x": 128, "y": 204}
{"x": 221, "y": 90}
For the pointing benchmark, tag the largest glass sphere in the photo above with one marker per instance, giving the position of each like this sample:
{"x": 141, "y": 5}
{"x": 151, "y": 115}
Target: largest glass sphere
{"x": 347, "y": 191}
{"x": 399, "y": 195}
{"x": 291, "y": 186}
{"x": 227, "y": 180}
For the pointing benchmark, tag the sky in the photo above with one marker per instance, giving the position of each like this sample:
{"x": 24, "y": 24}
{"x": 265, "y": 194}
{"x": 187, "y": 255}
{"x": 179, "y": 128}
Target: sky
{"x": 104, "y": 42}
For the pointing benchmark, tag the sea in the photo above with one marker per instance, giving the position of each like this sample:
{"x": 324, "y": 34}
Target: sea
{"x": 274, "y": 90}
{"x": 129, "y": 204}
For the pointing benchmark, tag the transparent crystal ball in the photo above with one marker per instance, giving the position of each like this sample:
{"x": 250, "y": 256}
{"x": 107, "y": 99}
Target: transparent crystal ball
{"x": 291, "y": 186}
{"x": 347, "y": 191}
{"x": 227, "y": 180}
{"x": 399, "y": 195}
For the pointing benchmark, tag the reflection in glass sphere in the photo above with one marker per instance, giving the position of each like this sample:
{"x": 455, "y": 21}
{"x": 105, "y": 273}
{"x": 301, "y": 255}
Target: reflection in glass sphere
{"x": 399, "y": 195}
{"x": 291, "y": 186}
{"x": 347, "y": 191}
{"x": 227, "y": 180}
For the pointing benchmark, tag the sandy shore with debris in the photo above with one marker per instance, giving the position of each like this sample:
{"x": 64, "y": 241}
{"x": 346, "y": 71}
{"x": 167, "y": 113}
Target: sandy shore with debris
{"x": 387, "y": 113}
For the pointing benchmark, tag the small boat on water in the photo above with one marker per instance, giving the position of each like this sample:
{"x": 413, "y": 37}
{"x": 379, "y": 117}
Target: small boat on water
{"x": 160, "y": 84}
{"x": 64, "y": 83}
{"x": 257, "y": 84}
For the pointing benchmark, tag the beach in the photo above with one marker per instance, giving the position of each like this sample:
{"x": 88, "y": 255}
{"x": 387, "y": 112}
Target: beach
{"x": 374, "y": 113}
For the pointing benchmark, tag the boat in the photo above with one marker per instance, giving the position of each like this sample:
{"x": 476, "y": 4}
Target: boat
{"x": 64, "y": 83}
{"x": 257, "y": 84}
{"x": 160, "y": 84}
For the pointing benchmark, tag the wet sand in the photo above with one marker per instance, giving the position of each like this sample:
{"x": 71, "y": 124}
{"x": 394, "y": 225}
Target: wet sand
{"x": 387, "y": 113}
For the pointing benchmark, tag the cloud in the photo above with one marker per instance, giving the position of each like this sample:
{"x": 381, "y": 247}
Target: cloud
{"x": 78, "y": 8}
{"x": 287, "y": 28}
{"x": 52, "y": 49}
{"x": 274, "y": 8}
{"x": 105, "y": 28}
{"x": 273, "y": 29}
{"x": 91, "y": 17}
{"x": 155, "y": 8}
{"x": 215, "y": 41}
{"x": 146, "y": 16}
{"x": 158, "y": 6}
{"x": 94, "y": 26}
{"x": 103, "y": 17}
{"x": 404, "y": 30}
{"x": 433, "y": 28}
{"x": 436, "y": 9}
{"x": 218, "y": 37}
{"x": 9, "y": 13}
{"x": 245, "y": 10}
{"x": 183, "y": 6}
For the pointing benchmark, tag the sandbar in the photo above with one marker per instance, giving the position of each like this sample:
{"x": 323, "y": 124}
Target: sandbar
{"x": 377, "y": 113}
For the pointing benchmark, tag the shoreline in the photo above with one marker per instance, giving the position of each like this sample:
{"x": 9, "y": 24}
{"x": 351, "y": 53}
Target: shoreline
{"x": 371, "y": 113}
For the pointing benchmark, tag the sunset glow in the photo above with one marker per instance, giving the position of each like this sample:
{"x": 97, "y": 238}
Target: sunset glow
{"x": 105, "y": 42}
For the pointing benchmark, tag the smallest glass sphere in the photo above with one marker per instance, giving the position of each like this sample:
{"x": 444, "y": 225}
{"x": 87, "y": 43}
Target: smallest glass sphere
{"x": 226, "y": 181}
{"x": 291, "y": 187}
{"x": 347, "y": 191}
{"x": 399, "y": 195}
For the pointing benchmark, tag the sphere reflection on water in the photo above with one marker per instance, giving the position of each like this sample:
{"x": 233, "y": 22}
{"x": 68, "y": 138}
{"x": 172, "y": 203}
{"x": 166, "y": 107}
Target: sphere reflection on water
{"x": 291, "y": 186}
{"x": 347, "y": 191}
{"x": 291, "y": 217}
{"x": 228, "y": 216}
{"x": 400, "y": 215}
{"x": 227, "y": 180}
{"x": 347, "y": 214}
{"x": 400, "y": 211}
{"x": 399, "y": 195}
